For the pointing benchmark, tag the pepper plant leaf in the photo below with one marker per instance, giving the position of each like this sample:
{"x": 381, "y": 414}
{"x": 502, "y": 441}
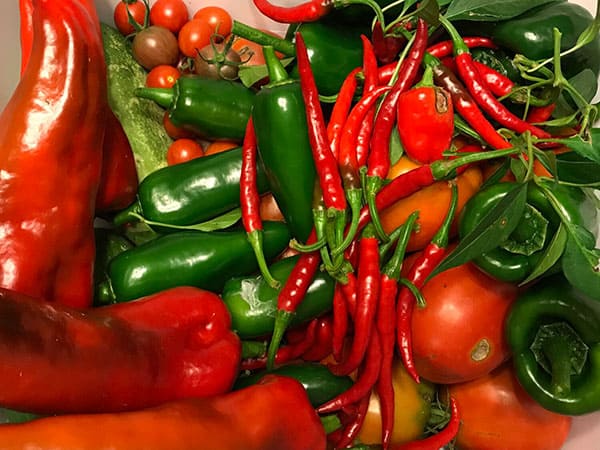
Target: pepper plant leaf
{"x": 574, "y": 169}
{"x": 490, "y": 10}
{"x": 218, "y": 223}
{"x": 551, "y": 255}
{"x": 250, "y": 75}
{"x": 581, "y": 261}
{"x": 495, "y": 227}
{"x": 588, "y": 148}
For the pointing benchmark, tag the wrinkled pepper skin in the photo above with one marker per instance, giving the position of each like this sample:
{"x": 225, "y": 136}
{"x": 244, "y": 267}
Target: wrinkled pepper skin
{"x": 191, "y": 192}
{"x": 188, "y": 258}
{"x": 172, "y": 345}
{"x": 51, "y": 156}
{"x": 274, "y": 414}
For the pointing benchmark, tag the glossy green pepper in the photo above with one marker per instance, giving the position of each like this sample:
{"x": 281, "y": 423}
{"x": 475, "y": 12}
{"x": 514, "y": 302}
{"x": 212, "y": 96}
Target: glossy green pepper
{"x": 252, "y": 303}
{"x": 515, "y": 259}
{"x": 188, "y": 258}
{"x": 213, "y": 109}
{"x": 191, "y": 192}
{"x": 320, "y": 383}
{"x": 531, "y": 34}
{"x": 109, "y": 243}
{"x": 283, "y": 145}
{"x": 554, "y": 336}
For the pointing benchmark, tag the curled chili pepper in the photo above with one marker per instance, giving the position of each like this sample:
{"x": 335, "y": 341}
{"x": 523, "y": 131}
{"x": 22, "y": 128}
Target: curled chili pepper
{"x": 417, "y": 276}
{"x": 340, "y": 110}
{"x": 498, "y": 83}
{"x": 308, "y": 11}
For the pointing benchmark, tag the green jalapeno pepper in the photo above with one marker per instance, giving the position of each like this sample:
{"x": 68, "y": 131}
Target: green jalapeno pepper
{"x": 514, "y": 259}
{"x": 187, "y": 258}
{"x": 252, "y": 303}
{"x": 213, "y": 109}
{"x": 284, "y": 147}
{"x": 554, "y": 335}
{"x": 530, "y": 34}
{"x": 109, "y": 243}
{"x": 191, "y": 192}
{"x": 320, "y": 383}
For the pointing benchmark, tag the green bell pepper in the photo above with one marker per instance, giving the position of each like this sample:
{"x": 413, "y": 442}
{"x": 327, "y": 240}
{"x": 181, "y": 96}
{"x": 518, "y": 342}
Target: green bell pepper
{"x": 530, "y": 34}
{"x": 187, "y": 258}
{"x": 554, "y": 335}
{"x": 213, "y": 109}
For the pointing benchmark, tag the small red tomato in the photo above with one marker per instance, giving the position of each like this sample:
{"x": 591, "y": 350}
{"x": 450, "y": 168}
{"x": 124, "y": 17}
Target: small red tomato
{"x": 171, "y": 14}
{"x": 183, "y": 150}
{"x": 174, "y": 131}
{"x": 162, "y": 76}
{"x": 459, "y": 334}
{"x": 193, "y": 36}
{"x": 218, "y": 18}
{"x": 425, "y": 122}
{"x": 136, "y": 8}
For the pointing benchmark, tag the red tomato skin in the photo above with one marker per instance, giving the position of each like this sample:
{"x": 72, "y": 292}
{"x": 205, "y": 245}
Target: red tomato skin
{"x": 496, "y": 414}
{"x": 459, "y": 335}
{"x": 162, "y": 76}
{"x": 182, "y": 150}
{"x": 194, "y": 35}
{"x": 218, "y": 18}
{"x": 171, "y": 14}
{"x": 121, "y": 19}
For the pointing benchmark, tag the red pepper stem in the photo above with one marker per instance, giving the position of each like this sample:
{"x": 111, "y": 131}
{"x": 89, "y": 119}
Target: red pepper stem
{"x": 441, "y": 237}
{"x": 457, "y": 41}
{"x": 394, "y": 265}
{"x": 282, "y": 320}
{"x": 277, "y": 73}
{"x": 445, "y": 168}
{"x": 427, "y": 78}
{"x": 355, "y": 201}
{"x": 255, "y": 238}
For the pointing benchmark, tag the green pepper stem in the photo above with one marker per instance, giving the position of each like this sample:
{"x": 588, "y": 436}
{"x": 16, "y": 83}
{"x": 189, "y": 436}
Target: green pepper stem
{"x": 557, "y": 350}
{"x": 457, "y": 41}
{"x": 355, "y": 201}
{"x": 393, "y": 267}
{"x": 307, "y": 248}
{"x": 128, "y": 215}
{"x": 427, "y": 78}
{"x": 441, "y": 237}
{"x": 277, "y": 73}
{"x": 445, "y": 168}
{"x": 282, "y": 321}
{"x": 373, "y": 184}
{"x": 162, "y": 96}
{"x": 260, "y": 37}
{"x": 255, "y": 238}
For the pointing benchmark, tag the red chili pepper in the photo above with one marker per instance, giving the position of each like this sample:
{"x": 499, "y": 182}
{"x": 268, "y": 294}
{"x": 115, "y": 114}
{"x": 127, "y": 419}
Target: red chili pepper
{"x": 464, "y": 104}
{"x": 48, "y": 242}
{"x": 482, "y": 95}
{"x": 309, "y": 11}
{"x": 171, "y": 345}
{"x": 428, "y": 260}
{"x": 340, "y": 322}
{"x": 498, "y": 83}
{"x": 438, "y": 440}
{"x": 445, "y": 48}
{"x": 386, "y": 47}
{"x": 378, "y": 162}
{"x": 425, "y": 120}
{"x": 386, "y": 327}
{"x": 341, "y": 109}
{"x": 250, "y": 203}
{"x": 539, "y": 114}
{"x": 367, "y": 299}
{"x": 322, "y": 345}
{"x": 348, "y": 434}
{"x": 350, "y": 289}
{"x": 365, "y": 381}
{"x": 25, "y": 31}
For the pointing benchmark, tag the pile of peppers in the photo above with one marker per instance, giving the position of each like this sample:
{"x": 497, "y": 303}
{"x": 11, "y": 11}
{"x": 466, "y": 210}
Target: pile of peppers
{"x": 165, "y": 311}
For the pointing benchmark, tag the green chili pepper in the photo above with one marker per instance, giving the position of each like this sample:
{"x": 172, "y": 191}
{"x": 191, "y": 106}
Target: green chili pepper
{"x": 530, "y": 34}
{"x": 187, "y": 258}
{"x": 191, "y": 192}
{"x": 284, "y": 147}
{"x": 213, "y": 109}
{"x": 514, "y": 259}
{"x": 555, "y": 339}
{"x": 252, "y": 303}
{"x": 320, "y": 383}
{"x": 109, "y": 244}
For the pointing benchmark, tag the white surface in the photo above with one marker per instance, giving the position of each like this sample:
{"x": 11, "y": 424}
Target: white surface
{"x": 586, "y": 430}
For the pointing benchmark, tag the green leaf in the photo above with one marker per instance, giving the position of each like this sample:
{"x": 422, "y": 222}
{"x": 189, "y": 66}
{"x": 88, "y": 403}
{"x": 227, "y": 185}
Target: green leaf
{"x": 396, "y": 148}
{"x": 429, "y": 11}
{"x": 574, "y": 169}
{"x": 495, "y": 227}
{"x": 586, "y": 83}
{"x": 490, "y": 10}
{"x": 551, "y": 255}
{"x": 581, "y": 261}
{"x": 589, "y": 148}
{"x": 218, "y": 223}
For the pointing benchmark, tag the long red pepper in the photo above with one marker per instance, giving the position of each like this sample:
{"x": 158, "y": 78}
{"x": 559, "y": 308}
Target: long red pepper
{"x": 438, "y": 440}
{"x": 498, "y": 83}
{"x": 367, "y": 298}
{"x": 250, "y": 203}
{"x": 538, "y": 114}
{"x": 309, "y": 11}
{"x": 25, "y": 31}
{"x": 340, "y": 322}
{"x": 482, "y": 95}
{"x": 341, "y": 109}
{"x": 427, "y": 260}
{"x": 350, "y": 431}
{"x": 378, "y": 161}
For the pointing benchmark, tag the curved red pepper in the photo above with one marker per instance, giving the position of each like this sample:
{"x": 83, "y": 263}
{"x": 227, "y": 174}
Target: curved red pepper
{"x": 309, "y": 11}
{"x": 126, "y": 356}
{"x": 51, "y": 146}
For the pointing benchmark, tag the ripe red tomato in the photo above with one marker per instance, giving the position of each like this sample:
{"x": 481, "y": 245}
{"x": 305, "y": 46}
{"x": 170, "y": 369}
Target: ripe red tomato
{"x": 497, "y": 413}
{"x": 171, "y": 14}
{"x": 137, "y": 9}
{"x": 162, "y": 76}
{"x": 182, "y": 150}
{"x": 174, "y": 131}
{"x": 459, "y": 335}
{"x": 193, "y": 36}
{"x": 218, "y": 18}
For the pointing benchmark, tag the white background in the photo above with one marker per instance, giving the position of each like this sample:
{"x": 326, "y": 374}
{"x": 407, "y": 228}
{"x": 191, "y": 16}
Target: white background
{"x": 586, "y": 430}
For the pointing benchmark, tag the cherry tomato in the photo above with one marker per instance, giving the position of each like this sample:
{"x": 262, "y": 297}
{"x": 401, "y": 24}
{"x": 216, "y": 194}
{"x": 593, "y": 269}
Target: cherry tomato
{"x": 495, "y": 413}
{"x": 250, "y": 52}
{"x": 171, "y": 14}
{"x": 219, "y": 146}
{"x": 182, "y": 150}
{"x": 174, "y": 131}
{"x": 155, "y": 46}
{"x": 459, "y": 335}
{"x": 162, "y": 76}
{"x": 193, "y": 36}
{"x": 218, "y": 18}
{"x": 137, "y": 9}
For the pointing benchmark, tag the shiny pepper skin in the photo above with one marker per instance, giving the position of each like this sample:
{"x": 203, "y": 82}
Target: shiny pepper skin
{"x": 425, "y": 123}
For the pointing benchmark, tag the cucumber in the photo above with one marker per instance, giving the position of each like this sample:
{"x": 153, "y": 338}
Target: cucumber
{"x": 141, "y": 119}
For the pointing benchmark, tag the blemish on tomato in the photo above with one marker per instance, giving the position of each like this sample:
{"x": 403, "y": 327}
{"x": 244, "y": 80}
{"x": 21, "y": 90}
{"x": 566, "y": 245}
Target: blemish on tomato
{"x": 481, "y": 350}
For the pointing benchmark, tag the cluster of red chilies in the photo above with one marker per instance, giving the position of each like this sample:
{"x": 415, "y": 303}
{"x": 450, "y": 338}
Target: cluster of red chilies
{"x": 373, "y": 303}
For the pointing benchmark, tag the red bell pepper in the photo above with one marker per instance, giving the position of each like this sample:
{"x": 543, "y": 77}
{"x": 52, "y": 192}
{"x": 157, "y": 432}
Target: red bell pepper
{"x": 171, "y": 345}
{"x": 51, "y": 147}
